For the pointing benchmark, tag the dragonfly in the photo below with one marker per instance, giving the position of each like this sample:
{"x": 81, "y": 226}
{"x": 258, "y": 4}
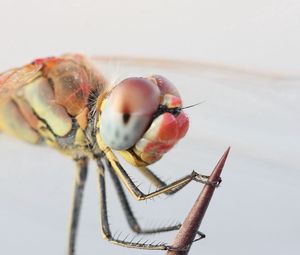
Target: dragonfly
{"x": 223, "y": 86}
{"x": 67, "y": 104}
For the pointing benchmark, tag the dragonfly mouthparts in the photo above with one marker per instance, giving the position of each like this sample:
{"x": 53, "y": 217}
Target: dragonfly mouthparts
{"x": 163, "y": 109}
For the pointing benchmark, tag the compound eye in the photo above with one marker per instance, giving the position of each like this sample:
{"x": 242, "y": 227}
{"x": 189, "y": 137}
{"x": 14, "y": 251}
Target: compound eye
{"x": 165, "y": 86}
{"x": 127, "y": 112}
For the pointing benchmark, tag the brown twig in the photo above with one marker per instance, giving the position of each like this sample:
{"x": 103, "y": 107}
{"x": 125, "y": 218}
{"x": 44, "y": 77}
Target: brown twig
{"x": 188, "y": 231}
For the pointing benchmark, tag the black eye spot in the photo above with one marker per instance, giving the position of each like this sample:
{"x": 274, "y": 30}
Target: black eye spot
{"x": 117, "y": 133}
{"x": 126, "y": 117}
{"x": 126, "y": 138}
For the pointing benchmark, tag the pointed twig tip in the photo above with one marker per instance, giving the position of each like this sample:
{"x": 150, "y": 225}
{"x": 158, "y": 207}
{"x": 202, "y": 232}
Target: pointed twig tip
{"x": 186, "y": 234}
{"x": 228, "y": 149}
{"x": 219, "y": 167}
{"x": 224, "y": 157}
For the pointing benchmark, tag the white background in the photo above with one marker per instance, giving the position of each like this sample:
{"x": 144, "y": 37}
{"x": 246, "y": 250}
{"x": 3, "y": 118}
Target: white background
{"x": 257, "y": 209}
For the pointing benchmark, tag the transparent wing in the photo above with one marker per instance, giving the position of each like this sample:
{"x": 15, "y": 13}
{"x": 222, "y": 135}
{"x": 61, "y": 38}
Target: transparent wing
{"x": 192, "y": 66}
{"x": 14, "y": 79}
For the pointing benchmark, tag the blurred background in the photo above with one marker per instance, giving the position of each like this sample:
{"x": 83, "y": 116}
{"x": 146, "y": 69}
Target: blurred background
{"x": 257, "y": 209}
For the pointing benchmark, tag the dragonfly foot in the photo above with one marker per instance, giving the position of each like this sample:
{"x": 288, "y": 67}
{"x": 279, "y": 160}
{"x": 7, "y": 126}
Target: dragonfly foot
{"x": 205, "y": 180}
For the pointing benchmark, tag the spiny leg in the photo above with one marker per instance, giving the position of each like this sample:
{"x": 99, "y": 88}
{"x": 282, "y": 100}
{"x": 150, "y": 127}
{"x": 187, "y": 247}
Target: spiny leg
{"x": 105, "y": 224}
{"x": 131, "y": 219}
{"x": 137, "y": 193}
{"x": 153, "y": 178}
{"x": 157, "y": 182}
{"x": 79, "y": 183}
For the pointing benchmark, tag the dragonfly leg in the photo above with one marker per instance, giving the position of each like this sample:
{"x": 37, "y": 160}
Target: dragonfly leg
{"x": 138, "y": 194}
{"x": 156, "y": 181}
{"x": 132, "y": 221}
{"x": 105, "y": 224}
{"x": 78, "y": 188}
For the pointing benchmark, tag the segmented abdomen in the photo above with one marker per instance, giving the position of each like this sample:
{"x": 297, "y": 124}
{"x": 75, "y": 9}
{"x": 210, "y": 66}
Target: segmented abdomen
{"x": 53, "y": 104}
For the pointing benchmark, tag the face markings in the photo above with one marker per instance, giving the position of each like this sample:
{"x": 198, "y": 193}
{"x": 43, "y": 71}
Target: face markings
{"x": 125, "y": 138}
{"x": 116, "y": 135}
{"x": 126, "y": 118}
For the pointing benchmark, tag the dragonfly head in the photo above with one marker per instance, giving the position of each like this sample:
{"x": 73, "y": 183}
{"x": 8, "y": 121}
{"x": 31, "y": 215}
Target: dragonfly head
{"x": 142, "y": 118}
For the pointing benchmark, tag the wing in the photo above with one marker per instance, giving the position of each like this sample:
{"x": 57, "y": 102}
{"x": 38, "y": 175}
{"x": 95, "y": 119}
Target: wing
{"x": 189, "y": 66}
{"x": 13, "y": 80}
